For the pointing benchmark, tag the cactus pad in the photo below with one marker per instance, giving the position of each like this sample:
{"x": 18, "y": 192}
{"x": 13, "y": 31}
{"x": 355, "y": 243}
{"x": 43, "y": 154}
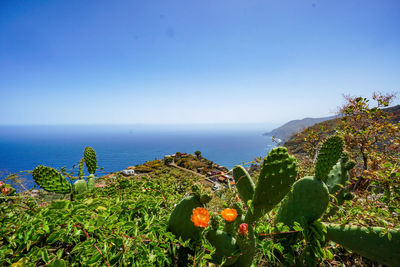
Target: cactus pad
{"x": 180, "y": 223}
{"x": 80, "y": 187}
{"x": 338, "y": 177}
{"x": 51, "y": 180}
{"x": 372, "y": 243}
{"x": 248, "y": 249}
{"x": 225, "y": 246}
{"x": 90, "y": 159}
{"x": 278, "y": 173}
{"x": 309, "y": 199}
{"x": 90, "y": 183}
{"x": 244, "y": 183}
{"x": 328, "y": 156}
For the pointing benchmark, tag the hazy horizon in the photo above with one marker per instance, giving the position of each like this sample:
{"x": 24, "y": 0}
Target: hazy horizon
{"x": 140, "y": 128}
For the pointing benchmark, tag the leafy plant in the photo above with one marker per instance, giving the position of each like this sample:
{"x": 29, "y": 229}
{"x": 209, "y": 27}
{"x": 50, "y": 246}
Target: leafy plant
{"x": 112, "y": 226}
{"x": 369, "y": 134}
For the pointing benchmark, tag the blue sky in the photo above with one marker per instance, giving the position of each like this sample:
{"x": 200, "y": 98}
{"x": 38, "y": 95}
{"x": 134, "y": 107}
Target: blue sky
{"x": 177, "y": 62}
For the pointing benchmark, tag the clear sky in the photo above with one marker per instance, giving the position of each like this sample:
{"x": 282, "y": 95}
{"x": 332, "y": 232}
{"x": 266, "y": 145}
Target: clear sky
{"x": 191, "y": 61}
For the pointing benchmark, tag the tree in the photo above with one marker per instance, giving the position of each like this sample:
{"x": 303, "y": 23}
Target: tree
{"x": 197, "y": 153}
{"x": 369, "y": 133}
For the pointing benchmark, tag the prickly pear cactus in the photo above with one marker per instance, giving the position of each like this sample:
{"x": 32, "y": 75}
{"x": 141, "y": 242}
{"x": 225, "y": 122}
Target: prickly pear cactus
{"x": 51, "y": 180}
{"x": 225, "y": 246}
{"x": 248, "y": 249}
{"x": 278, "y": 173}
{"x": 328, "y": 156}
{"x": 308, "y": 201}
{"x": 372, "y": 243}
{"x": 80, "y": 187}
{"x": 305, "y": 203}
{"x": 180, "y": 223}
{"x": 338, "y": 177}
{"x": 309, "y": 198}
{"x": 90, "y": 159}
{"x": 243, "y": 183}
{"x": 90, "y": 183}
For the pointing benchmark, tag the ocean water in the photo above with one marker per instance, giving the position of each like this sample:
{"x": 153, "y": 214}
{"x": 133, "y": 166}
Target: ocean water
{"x": 117, "y": 147}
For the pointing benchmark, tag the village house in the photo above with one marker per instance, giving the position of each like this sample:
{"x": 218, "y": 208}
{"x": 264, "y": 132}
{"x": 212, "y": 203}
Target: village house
{"x": 179, "y": 155}
{"x": 128, "y": 172}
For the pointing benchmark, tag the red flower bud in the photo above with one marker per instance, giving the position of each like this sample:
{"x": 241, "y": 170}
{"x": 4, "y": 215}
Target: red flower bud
{"x": 243, "y": 229}
{"x": 5, "y": 191}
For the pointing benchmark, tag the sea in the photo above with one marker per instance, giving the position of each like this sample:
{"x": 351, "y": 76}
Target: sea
{"x": 22, "y": 148}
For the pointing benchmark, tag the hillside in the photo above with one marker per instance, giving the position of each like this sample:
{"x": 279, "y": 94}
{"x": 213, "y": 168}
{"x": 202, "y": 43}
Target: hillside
{"x": 288, "y": 129}
{"x": 286, "y": 132}
{"x": 293, "y": 143}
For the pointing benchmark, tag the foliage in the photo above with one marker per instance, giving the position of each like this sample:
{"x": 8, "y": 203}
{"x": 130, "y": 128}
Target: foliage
{"x": 194, "y": 163}
{"x": 148, "y": 166}
{"x": 370, "y": 135}
{"x": 121, "y": 224}
{"x": 312, "y": 141}
{"x": 197, "y": 153}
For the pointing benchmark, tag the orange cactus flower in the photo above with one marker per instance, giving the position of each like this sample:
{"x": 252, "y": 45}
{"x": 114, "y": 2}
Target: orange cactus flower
{"x": 229, "y": 214}
{"x": 5, "y": 191}
{"x": 200, "y": 217}
{"x": 243, "y": 229}
{"x": 1, "y": 183}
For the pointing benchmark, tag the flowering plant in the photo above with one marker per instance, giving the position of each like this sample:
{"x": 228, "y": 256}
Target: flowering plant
{"x": 229, "y": 214}
{"x": 200, "y": 217}
{"x": 5, "y": 191}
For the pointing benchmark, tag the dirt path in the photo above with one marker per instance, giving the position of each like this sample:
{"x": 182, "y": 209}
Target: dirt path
{"x": 204, "y": 179}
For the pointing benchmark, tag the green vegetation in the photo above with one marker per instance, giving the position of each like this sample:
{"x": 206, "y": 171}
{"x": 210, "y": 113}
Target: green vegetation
{"x": 325, "y": 208}
{"x": 301, "y": 211}
{"x": 149, "y": 166}
{"x": 123, "y": 224}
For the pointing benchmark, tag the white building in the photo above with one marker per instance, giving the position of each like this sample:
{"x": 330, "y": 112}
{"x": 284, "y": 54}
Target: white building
{"x": 128, "y": 172}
